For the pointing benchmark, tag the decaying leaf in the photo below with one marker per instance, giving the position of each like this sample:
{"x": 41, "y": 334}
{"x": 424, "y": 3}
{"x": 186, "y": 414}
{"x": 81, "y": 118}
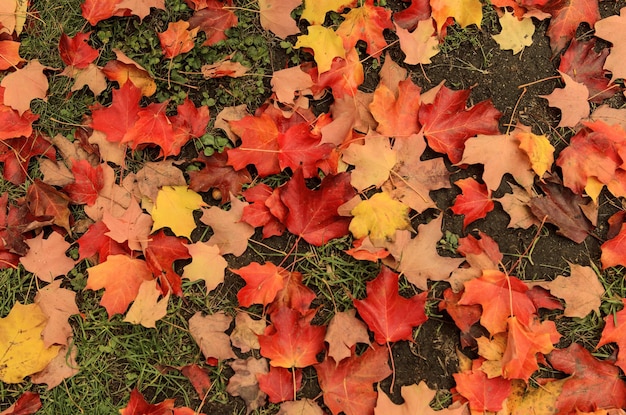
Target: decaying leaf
{"x": 208, "y": 332}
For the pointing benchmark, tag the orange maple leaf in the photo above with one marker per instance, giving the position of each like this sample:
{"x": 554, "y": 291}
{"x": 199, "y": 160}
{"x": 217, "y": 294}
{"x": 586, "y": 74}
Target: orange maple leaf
{"x": 501, "y": 296}
{"x": 177, "y": 39}
{"x": 120, "y": 276}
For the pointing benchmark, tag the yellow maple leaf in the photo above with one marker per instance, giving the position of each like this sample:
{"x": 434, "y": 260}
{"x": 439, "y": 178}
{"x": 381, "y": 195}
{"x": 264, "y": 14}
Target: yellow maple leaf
{"x": 464, "y": 12}
{"x": 516, "y": 34}
{"x": 539, "y": 150}
{"x": 22, "y": 350}
{"x": 379, "y": 217}
{"x": 174, "y": 208}
{"x": 315, "y": 10}
{"x": 326, "y": 45}
{"x": 536, "y": 401}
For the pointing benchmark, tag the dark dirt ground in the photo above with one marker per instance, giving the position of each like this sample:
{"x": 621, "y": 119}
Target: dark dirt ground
{"x": 493, "y": 74}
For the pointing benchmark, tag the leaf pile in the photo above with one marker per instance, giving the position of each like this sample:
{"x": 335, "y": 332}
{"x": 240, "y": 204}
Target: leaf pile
{"x": 365, "y": 169}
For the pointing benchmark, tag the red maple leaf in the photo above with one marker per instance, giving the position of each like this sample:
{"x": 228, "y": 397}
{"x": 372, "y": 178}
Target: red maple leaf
{"x": 278, "y": 383}
{"x": 16, "y": 153}
{"x": 96, "y": 10}
{"x": 12, "y": 124}
{"x": 483, "y": 393}
{"x": 213, "y": 20}
{"x": 585, "y": 65}
{"x": 263, "y": 282}
{"x": 45, "y": 201}
{"x": 13, "y": 223}
{"x": 613, "y": 332}
{"x": 470, "y": 246}
{"x": 258, "y": 144}
{"x": 593, "y": 151}
{"x": 116, "y": 119}
{"x": 312, "y": 214}
{"x": 199, "y": 378}
{"x": 88, "y": 181}
{"x": 448, "y": 123}
{"x": 299, "y": 147}
{"x": 294, "y": 295}
{"x": 566, "y": 16}
{"x": 464, "y": 316}
{"x": 390, "y": 316}
{"x": 217, "y": 174}
{"x": 291, "y": 341}
{"x": 153, "y": 127}
{"x": 348, "y": 385}
{"x": 27, "y": 404}
{"x": 501, "y": 296}
{"x": 189, "y": 122}
{"x": 409, "y": 17}
{"x": 614, "y": 250}
{"x": 475, "y": 201}
{"x": 272, "y": 146}
{"x": 137, "y": 405}
{"x": 258, "y": 213}
{"x": 95, "y": 241}
{"x": 161, "y": 252}
{"x": 593, "y": 384}
{"x": 76, "y": 51}
{"x": 344, "y": 77}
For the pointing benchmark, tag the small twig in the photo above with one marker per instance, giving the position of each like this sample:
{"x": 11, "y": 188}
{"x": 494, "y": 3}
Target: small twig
{"x": 528, "y": 248}
{"x": 508, "y": 128}
{"x": 379, "y": 51}
{"x": 538, "y": 81}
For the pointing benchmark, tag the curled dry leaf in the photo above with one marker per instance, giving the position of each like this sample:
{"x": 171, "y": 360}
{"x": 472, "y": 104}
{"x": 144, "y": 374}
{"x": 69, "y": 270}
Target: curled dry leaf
{"x": 244, "y": 382}
{"x": 224, "y": 67}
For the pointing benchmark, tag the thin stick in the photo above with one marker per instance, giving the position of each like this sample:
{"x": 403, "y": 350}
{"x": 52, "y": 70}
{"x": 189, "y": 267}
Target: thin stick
{"x": 293, "y": 377}
{"x": 508, "y": 128}
{"x": 538, "y": 81}
{"x": 519, "y": 259}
